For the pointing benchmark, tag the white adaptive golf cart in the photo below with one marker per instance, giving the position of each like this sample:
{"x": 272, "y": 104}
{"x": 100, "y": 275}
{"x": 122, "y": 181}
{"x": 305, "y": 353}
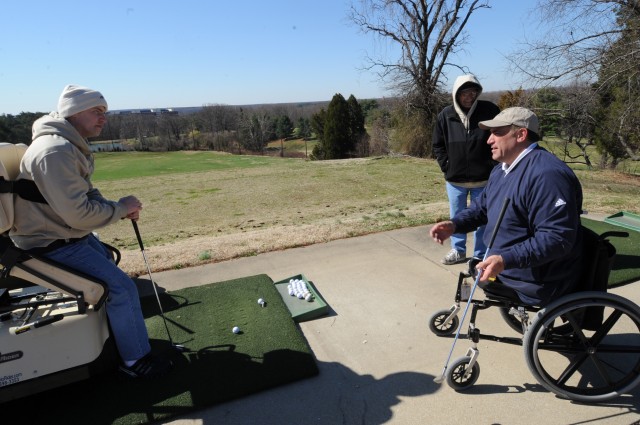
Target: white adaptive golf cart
{"x": 53, "y": 324}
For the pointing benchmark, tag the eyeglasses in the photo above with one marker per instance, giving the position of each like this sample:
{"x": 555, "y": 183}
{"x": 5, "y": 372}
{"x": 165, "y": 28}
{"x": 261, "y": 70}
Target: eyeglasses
{"x": 468, "y": 92}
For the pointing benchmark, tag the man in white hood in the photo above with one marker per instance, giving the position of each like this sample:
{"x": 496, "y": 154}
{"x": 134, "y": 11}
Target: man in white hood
{"x": 60, "y": 163}
{"x": 464, "y": 156}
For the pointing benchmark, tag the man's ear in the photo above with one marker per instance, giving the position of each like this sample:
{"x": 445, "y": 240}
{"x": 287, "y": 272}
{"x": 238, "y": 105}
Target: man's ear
{"x": 522, "y": 134}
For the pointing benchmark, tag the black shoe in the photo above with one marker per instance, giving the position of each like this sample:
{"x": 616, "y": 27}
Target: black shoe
{"x": 148, "y": 367}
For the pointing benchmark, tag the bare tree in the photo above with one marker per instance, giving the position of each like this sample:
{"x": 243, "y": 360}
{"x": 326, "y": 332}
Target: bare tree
{"x": 428, "y": 33}
{"x": 380, "y": 134}
{"x": 171, "y": 130}
{"x": 576, "y": 36}
{"x": 255, "y": 129}
{"x": 575, "y": 122}
{"x": 594, "y": 44}
{"x": 219, "y": 125}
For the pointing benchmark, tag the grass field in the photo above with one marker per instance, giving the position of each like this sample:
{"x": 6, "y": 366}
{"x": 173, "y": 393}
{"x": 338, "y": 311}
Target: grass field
{"x": 204, "y": 207}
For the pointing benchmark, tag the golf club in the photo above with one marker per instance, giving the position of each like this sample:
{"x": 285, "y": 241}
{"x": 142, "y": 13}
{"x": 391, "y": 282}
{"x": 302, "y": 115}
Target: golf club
{"x": 505, "y": 204}
{"x": 155, "y": 290}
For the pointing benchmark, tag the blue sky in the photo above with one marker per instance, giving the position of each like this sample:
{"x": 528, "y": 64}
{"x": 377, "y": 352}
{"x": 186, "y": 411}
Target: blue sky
{"x": 153, "y": 54}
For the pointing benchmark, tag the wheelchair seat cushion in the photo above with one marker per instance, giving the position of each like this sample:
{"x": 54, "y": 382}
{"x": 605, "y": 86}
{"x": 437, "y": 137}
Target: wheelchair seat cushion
{"x": 499, "y": 291}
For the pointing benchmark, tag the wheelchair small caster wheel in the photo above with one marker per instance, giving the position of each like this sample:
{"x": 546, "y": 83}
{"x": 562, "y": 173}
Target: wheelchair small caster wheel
{"x": 513, "y": 322}
{"x": 457, "y": 376}
{"x": 439, "y": 325}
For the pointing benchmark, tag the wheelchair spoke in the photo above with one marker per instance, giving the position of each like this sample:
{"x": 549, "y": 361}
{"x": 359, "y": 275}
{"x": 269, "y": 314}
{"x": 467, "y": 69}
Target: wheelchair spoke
{"x": 618, "y": 349}
{"x": 606, "y": 327}
{"x": 571, "y": 369}
{"x": 573, "y": 321}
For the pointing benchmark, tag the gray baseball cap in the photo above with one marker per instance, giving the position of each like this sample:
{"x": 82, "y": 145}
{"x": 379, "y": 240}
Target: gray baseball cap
{"x": 521, "y": 117}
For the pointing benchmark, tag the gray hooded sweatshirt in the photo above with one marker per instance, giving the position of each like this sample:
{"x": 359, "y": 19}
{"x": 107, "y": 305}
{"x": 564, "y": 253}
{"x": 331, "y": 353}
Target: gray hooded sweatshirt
{"x": 61, "y": 164}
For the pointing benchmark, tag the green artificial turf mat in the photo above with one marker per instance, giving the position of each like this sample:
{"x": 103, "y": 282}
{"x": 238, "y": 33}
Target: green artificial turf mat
{"x": 626, "y": 265}
{"x": 221, "y": 365}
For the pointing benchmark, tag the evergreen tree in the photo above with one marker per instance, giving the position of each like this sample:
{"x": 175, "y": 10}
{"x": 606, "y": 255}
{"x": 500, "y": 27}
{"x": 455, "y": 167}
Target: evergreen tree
{"x": 283, "y": 126}
{"x": 303, "y": 128}
{"x": 337, "y": 137}
{"x": 317, "y": 125}
{"x": 356, "y": 124}
{"x": 17, "y": 128}
{"x": 547, "y": 105}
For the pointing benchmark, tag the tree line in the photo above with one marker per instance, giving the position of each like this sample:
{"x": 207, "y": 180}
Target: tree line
{"x": 339, "y": 128}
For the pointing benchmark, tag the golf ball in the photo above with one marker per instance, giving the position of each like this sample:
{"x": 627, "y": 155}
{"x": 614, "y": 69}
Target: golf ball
{"x": 261, "y": 302}
{"x": 308, "y": 297}
{"x": 236, "y": 330}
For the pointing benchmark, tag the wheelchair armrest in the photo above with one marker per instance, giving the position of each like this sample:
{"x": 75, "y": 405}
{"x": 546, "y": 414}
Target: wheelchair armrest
{"x": 615, "y": 234}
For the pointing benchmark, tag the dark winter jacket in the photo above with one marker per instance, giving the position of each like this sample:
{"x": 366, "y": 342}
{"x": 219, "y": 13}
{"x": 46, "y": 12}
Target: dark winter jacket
{"x": 459, "y": 145}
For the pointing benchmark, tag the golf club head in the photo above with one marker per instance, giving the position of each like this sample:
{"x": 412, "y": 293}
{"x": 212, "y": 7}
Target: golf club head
{"x": 439, "y": 379}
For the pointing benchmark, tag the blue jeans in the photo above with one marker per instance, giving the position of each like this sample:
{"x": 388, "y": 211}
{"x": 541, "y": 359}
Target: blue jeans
{"x": 458, "y": 197}
{"x": 89, "y": 256}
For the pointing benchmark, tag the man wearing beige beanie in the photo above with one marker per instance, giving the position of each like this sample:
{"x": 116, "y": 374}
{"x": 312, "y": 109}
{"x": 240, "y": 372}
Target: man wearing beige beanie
{"x": 61, "y": 164}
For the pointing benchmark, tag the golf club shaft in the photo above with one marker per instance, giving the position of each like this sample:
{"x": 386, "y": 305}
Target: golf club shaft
{"x": 135, "y": 229}
{"x": 153, "y": 284}
{"x": 505, "y": 204}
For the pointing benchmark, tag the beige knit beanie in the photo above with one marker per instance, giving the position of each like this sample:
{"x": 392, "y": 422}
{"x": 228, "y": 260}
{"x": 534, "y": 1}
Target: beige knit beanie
{"x": 76, "y": 99}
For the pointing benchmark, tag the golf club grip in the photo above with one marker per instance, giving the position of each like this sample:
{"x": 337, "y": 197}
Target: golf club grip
{"x": 48, "y": 320}
{"x": 135, "y": 229}
{"x": 38, "y": 323}
{"x": 505, "y": 204}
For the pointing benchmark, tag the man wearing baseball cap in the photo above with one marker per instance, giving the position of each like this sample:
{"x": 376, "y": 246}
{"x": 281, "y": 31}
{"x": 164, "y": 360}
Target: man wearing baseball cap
{"x": 60, "y": 163}
{"x": 535, "y": 257}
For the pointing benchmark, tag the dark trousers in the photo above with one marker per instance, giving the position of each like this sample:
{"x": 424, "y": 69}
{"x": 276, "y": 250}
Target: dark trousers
{"x": 499, "y": 289}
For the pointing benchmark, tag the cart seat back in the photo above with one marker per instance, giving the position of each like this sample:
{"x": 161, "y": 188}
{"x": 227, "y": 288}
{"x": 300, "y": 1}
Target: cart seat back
{"x": 10, "y": 156}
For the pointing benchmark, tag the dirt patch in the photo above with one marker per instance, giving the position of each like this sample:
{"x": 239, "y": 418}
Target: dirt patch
{"x": 200, "y": 250}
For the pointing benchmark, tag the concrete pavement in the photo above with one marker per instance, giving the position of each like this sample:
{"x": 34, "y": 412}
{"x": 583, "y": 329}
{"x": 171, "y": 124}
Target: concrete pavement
{"x": 376, "y": 355}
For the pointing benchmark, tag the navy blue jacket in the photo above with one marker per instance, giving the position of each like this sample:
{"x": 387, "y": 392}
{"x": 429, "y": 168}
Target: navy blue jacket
{"x": 539, "y": 238}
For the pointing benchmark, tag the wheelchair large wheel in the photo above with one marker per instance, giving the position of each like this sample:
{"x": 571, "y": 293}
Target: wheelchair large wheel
{"x": 456, "y": 374}
{"x": 440, "y": 326}
{"x": 580, "y": 364}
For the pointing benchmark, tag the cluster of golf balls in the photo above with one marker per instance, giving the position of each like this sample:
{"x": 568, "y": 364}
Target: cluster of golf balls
{"x": 236, "y": 329}
{"x": 298, "y": 288}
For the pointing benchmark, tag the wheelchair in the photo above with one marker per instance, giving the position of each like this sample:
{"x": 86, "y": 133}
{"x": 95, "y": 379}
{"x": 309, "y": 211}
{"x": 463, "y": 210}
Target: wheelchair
{"x": 53, "y": 324}
{"x": 583, "y": 346}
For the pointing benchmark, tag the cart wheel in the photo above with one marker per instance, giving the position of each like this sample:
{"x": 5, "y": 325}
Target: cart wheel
{"x": 456, "y": 374}
{"x": 439, "y": 325}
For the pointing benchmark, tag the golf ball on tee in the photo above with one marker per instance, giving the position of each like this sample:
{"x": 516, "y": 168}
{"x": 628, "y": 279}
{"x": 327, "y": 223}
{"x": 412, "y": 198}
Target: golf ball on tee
{"x": 236, "y": 330}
